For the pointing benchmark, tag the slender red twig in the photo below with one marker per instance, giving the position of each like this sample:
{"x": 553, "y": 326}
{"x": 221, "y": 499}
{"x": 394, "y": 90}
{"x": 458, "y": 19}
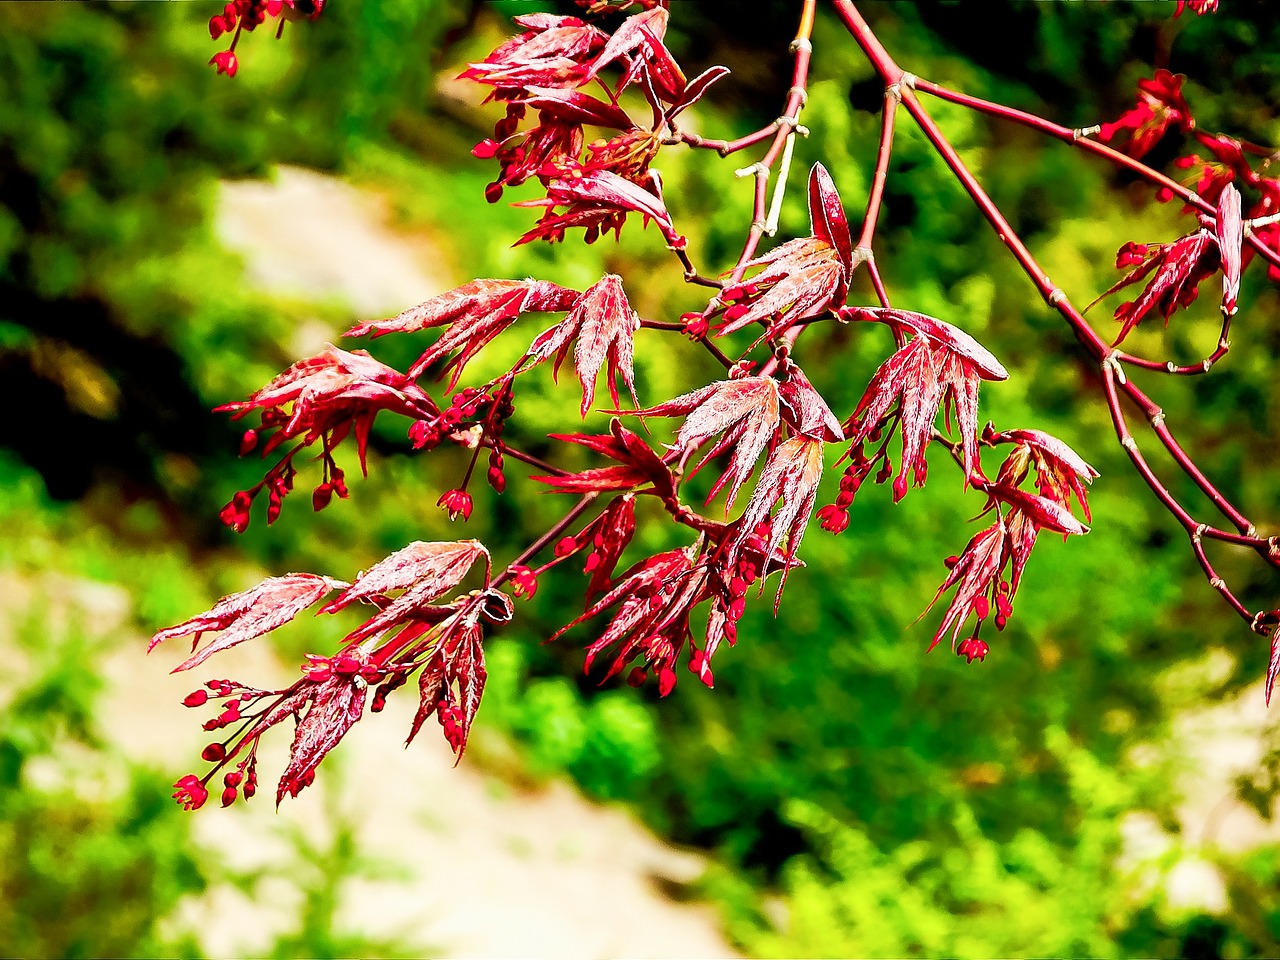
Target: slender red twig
{"x": 1114, "y": 381}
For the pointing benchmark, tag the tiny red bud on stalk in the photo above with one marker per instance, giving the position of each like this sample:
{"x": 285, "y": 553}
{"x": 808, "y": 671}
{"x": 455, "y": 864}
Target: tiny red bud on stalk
{"x": 226, "y": 62}
{"x": 213, "y": 752}
{"x": 457, "y": 502}
{"x": 196, "y": 699}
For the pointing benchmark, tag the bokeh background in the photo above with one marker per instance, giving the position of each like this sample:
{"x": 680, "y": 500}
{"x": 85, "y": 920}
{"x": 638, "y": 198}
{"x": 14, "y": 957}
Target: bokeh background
{"x": 169, "y": 240}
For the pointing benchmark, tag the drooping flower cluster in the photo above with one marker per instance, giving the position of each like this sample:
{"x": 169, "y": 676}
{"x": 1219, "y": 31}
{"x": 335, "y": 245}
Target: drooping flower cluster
{"x": 988, "y": 571}
{"x": 240, "y": 16}
{"x": 1241, "y": 164}
{"x": 410, "y": 633}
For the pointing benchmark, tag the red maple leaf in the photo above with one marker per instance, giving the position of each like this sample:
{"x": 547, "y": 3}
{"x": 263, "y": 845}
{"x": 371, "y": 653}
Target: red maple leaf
{"x": 327, "y": 395}
{"x": 424, "y": 571}
{"x": 639, "y": 42}
{"x": 600, "y": 326}
{"x": 655, "y": 598}
{"x": 335, "y": 705}
{"x": 475, "y": 313}
{"x": 610, "y": 534}
{"x": 1177, "y": 268}
{"x": 1160, "y": 105}
{"x": 940, "y": 366}
{"x": 802, "y": 278}
{"x": 746, "y": 413}
{"x": 451, "y": 685}
{"x": 974, "y": 574}
{"x": 977, "y": 573}
{"x": 1061, "y": 473}
{"x": 790, "y": 475}
{"x": 639, "y": 465}
{"x": 553, "y": 51}
{"x": 803, "y": 408}
{"x": 598, "y": 200}
{"x": 249, "y": 614}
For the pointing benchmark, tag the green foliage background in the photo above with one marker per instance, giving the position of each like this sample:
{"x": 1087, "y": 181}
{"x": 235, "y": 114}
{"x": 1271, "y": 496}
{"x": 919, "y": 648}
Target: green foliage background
{"x": 899, "y": 803}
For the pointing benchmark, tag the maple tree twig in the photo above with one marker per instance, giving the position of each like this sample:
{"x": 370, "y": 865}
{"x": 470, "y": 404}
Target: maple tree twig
{"x": 1080, "y": 139}
{"x": 553, "y": 534}
{"x": 784, "y": 127}
{"x": 891, "y": 73}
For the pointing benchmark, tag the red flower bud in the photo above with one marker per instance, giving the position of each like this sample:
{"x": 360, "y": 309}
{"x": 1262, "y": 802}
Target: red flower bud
{"x": 523, "y": 581}
{"x": 321, "y": 496}
{"x": 213, "y": 752}
{"x": 197, "y": 699}
{"x": 456, "y": 502}
{"x": 190, "y": 792}
{"x": 973, "y": 649}
{"x": 226, "y": 62}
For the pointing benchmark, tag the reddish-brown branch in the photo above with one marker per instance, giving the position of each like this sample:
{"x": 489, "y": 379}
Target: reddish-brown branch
{"x": 1114, "y": 381}
{"x": 784, "y": 127}
{"x": 552, "y": 535}
{"x": 1079, "y": 138}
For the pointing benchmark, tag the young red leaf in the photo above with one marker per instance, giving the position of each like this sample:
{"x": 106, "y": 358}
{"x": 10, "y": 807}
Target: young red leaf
{"x": 336, "y": 705}
{"x": 640, "y": 465}
{"x": 791, "y": 476}
{"x": 573, "y": 106}
{"x": 951, "y": 337}
{"x": 975, "y": 572}
{"x": 827, "y": 220}
{"x": 802, "y": 278}
{"x": 475, "y": 312}
{"x": 599, "y": 201}
{"x": 250, "y": 613}
{"x": 1061, "y": 472}
{"x": 655, "y": 597}
{"x": 1042, "y": 511}
{"x": 553, "y": 51}
{"x": 613, "y": 532}
{"x": 1178, "y": 269}
{"x": 919, "y": 379}
{"x": 1229, "y": 232}
{"x": 428, "y": 569}
{"x": 803, "y": 408}
{"x": 1160, "y": 105}
{"x": 452, "y": 684}
{"x": 744, "y": 411}
{"x": 695, "y": 89}
{"x": 639, "y": 38}
{"x": 328, "y": 394}
{"x": 603, "y": 325}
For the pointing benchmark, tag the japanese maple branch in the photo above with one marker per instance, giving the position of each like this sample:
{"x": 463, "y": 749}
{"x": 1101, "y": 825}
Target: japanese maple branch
{"x": 892, "y": 74}
{"x": 1079, "y": 138}
{"x": 783, "y": 128}
{"x": 551, "y": 536}
{"x": 1194, "y": 530}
